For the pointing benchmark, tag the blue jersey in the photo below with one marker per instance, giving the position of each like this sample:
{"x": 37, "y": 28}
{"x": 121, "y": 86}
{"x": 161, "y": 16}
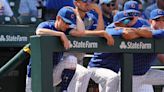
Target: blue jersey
{"x": 106, "y": 60}
{"x": 56, "y": 55}
{"x": 107, "y": 21}
{"x": 90, "y": 20}
{"x": 141, "y": 23}
{"x": 142, "y": 62}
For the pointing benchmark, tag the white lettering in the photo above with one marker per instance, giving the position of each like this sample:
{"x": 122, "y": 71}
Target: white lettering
{"x": 13, "y": 38}
{"x": 84, "y": 44}
{"x": 135, "y": 45}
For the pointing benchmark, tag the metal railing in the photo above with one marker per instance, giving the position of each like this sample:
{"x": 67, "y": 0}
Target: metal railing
{"x": 43, "y": 46}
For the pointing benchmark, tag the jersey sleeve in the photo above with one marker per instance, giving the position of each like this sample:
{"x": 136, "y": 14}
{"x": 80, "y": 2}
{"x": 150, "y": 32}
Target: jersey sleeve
{"x": 144, "y": 22}
{"x": 158, "y": 33}
{"x": 113, "y": 31}
{"x": 110, "y": 29}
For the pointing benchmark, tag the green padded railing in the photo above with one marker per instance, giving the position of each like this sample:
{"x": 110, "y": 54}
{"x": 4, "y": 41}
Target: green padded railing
{"x": 43, "y": 46}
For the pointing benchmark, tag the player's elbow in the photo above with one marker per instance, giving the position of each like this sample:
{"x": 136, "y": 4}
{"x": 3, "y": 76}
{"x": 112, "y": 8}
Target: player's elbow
{"x": 81, "y": 33}
{"x": 39, "y": 32}
{"x": 148, "y": 36}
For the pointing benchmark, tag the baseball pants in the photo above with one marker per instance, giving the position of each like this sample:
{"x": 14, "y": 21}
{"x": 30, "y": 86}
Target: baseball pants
{"x": 152, "y": 77}
{"x": 107, "y": 79}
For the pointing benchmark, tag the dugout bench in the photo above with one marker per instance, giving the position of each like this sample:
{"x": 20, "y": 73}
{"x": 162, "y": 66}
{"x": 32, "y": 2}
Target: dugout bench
{"x": 43, "y": 47}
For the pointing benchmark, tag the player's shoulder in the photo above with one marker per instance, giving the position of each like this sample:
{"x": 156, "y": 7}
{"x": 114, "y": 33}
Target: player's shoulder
{"x": 45, "y": 23}
{"x": 143, "y": 21}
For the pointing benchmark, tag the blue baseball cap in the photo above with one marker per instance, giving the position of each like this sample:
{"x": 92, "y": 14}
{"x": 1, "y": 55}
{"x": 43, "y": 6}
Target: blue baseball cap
{"x": 104, "y": 1}
{"x": 131, "y": 6}
{"x": 120, "y": 16}
{"x": 68, "y": 16}
{"x": 156, "y": 14}
{"x": 85, "y": 1}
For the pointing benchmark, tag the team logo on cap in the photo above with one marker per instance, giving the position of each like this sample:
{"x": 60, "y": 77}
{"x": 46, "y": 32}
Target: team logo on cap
{"x": 72, "y": 16}
{"x": 159, "y": 12}
{"x": 132, "y": 6}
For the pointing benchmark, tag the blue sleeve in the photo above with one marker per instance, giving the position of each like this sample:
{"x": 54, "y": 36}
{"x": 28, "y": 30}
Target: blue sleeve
{"x": 113, "y": 31}
{"x": 144, "y": 22}
{"x": 42, "y": 25}
{"x": 158, "y": 33}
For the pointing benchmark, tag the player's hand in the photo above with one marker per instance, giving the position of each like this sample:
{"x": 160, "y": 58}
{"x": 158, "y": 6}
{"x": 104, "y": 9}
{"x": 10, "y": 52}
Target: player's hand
{"x": 110, "y": 40}
{"x": 120, "y": 25}
{"x": 129, "y": 34}
{"x": 95, "y": 7}
{"x": 65, "y": 41}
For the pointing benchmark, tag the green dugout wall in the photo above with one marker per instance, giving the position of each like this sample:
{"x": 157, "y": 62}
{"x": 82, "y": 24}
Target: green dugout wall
{"x": 43, "y": 47}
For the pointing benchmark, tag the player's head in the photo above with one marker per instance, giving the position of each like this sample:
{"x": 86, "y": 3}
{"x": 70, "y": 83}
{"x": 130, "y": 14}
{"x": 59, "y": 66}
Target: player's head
{"x": 82, "y": 5}
{"x": 122, "y": 19}
{"x": 107, "y": 6}
{"x": 132, "y": 7}
{"x": 157, "y": 19}
{"x": 66, "y": 18}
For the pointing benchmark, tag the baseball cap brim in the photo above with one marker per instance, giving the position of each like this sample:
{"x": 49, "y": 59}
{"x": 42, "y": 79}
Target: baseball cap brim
{"x": 121, "y": 19}
{"x": 105, "y": 1}
{"x": 71, "y": 24}
{"x": 157, "y": 17}
{"x": 130, "y": 10}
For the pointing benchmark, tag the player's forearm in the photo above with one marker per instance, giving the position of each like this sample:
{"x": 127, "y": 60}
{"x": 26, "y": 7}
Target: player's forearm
{"x": 144, "y": 33}
{"x": 94, "y": 33}
{"x": 43, "y": 31}
{"x": 100, "y": 22}
{"x": 129, "y": 34}
{"x": 79, "y": 23}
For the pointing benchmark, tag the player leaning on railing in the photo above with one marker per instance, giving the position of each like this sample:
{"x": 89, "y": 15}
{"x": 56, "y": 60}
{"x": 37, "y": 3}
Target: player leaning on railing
{"x": 66, "y": 66}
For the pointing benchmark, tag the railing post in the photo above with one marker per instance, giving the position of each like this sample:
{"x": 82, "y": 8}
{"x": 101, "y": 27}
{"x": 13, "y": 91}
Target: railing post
{"x": 126, "y": 73}
{"x": 42, "y": 66}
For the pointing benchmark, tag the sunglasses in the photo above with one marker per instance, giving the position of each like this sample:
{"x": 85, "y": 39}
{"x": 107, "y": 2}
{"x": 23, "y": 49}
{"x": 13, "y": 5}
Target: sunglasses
{"x": 84, "y": 1}
{"x": 110, "y": 4}
{"x": 133, "y": 14}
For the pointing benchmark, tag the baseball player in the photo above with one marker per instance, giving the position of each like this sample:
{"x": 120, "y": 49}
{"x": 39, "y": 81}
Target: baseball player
{"x": 108, "y": 8}
{"x": 142, "y": 74}
{"x": 66, "y": 66}
{"x": 104, "y": 66}
{"x": 138, "y": 64}
{"x": 157, "y": 27}
{"x": 91, "y": 15}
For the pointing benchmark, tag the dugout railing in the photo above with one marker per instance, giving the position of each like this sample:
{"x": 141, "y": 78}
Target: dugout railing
{"x": 43, "y": 46}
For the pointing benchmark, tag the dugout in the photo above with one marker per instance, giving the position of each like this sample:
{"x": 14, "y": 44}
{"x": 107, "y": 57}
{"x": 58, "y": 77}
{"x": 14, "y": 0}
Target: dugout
{"x": 15, "y": 80}
{"x": 12, "y": 40}
{"x": 42, "y": 79}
